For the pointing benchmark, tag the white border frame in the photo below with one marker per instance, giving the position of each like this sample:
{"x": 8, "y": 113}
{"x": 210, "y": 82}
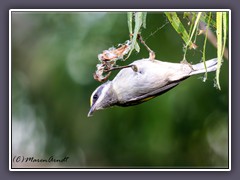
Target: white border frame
{"x": 113, "y": 10}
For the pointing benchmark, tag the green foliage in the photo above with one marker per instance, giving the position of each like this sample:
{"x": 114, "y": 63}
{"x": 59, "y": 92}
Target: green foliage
{"x": 179, "y": 27}
{"x": 221, "y": 41}
{"x": 140, "y": 21}
{"x": 206, "y": 18}
{"x": 204, "y": 46}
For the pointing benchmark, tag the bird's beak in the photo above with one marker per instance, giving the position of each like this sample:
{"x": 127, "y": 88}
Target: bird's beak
{"x": 91, "y": 111}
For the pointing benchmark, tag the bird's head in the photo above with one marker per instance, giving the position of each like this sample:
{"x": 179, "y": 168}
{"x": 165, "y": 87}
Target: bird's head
{"x": 103, "y": 97}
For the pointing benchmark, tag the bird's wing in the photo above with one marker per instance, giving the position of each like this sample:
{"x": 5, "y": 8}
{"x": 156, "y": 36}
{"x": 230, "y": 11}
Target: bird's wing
{"x": 148, "y": 96}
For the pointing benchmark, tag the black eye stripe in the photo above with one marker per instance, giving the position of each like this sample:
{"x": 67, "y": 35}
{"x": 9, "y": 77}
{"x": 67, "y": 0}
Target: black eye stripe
{"x": 95, "y": 96}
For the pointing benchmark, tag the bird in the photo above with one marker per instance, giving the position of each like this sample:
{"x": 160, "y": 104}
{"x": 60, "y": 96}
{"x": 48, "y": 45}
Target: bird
{"x": 148, "y": 79}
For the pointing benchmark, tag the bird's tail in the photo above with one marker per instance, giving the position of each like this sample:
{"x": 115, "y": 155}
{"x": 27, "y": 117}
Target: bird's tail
{"x": 211, "y": 65}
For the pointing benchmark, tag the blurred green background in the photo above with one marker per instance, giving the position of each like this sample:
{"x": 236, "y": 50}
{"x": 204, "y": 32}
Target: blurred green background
{"x": 54, "y": 56}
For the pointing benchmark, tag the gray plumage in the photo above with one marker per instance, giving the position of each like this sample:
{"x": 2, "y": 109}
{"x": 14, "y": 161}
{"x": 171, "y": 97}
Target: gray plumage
{"x": 152, "y": 78}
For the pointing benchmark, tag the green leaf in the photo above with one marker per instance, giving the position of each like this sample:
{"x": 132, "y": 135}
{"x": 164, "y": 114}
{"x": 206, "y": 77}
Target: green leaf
{"x": 178, "y": 26}
{"x": 137, "y": 47}
{"x": 194, "y": 27}
{"x": 130, "y": 22}
{"x": 144, "y": 19}
{"x": 204, "y": 46}
{"x": 140, "y": 21}
{"x": 205, "y": 18}
{"x": 219, "y": 46}
{"x": 224, "y": 31}
{"x": 137, "y": 27}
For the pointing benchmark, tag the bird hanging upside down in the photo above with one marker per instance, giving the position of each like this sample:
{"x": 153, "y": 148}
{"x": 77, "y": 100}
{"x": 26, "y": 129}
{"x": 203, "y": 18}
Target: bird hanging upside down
{"x": 147, "y": 79}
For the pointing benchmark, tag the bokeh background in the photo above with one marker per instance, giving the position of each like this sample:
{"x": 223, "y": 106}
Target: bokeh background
{"x": 54, "y": 56}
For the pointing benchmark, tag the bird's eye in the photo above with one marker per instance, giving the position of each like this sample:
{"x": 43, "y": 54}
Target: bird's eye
{"x": 94, "y": 99}
{"x": 95, "y": 96}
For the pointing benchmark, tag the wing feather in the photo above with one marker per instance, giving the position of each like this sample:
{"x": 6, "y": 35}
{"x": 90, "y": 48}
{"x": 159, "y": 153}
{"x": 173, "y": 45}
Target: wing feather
{"x": 148, "y": 96}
